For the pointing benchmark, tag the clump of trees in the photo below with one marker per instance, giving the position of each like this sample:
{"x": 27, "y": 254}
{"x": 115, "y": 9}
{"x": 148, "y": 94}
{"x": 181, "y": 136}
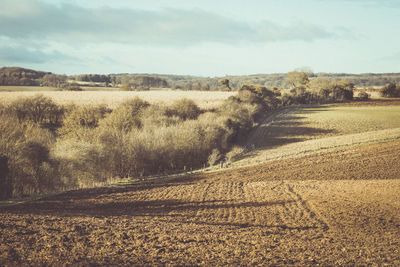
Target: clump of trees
{"x": 390, "y": 90}
{"x": 96, "y": 78}
{"x": 38, "y": 109}
{"x": 304, "y": 90}
{"x": 54, "y": 80}
{"x": 46, "y": 147}
{"x": 139, "y": 82}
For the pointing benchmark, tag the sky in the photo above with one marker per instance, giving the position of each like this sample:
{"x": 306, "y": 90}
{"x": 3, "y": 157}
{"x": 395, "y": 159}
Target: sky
{"x": 200, "y": 37}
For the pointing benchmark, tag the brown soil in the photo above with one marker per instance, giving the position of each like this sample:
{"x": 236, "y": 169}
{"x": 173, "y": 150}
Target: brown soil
{"x": 334, "y": 208}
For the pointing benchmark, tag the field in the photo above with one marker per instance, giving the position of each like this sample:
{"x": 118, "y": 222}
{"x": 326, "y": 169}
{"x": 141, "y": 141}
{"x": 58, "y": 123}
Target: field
{"x": 325, "y": 191}
{"x": 337, "y": 208}
{"x": 297, "y": 131}
{"x": 112, "y": 99}
{"x": 26, "y": 88}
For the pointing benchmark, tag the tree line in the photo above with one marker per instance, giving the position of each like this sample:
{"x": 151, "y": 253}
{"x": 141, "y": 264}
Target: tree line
{"x": 26, "y": 77}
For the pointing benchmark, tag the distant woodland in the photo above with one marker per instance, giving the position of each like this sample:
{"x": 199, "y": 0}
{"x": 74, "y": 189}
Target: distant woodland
{"x": 25, "y": 77}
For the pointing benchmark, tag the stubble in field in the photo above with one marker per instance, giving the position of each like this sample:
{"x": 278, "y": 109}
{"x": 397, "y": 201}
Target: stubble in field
{"x": 114, "y": 98}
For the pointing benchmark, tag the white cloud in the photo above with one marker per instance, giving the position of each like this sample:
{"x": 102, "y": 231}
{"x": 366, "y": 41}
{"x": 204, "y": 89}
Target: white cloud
{"x": 70, "y": 23}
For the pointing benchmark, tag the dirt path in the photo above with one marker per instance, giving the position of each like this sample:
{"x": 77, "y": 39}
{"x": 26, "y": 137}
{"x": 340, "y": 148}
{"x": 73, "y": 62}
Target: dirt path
{"x": 341, "y": 207}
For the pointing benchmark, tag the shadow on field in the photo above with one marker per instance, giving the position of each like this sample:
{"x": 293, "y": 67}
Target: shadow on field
{"x": 77, "y": 198}
{"x": 286, "y": 128}
{"x": 82, "y": 205}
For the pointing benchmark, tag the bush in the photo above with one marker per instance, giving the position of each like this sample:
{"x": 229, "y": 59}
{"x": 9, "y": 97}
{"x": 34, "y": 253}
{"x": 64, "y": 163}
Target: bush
{"x": 125, "y": 87}
{"x": 127, "y": 116}
{"x": 135, "y": 105}
{"x": 81, "y": 162}
{"x": 162, "y": 149}
{"x": 121, "y": 119}
{"x": 363, "y": 96}
{"x": 234, "y": 153}
{"x": 25, "y": 153}
{"x": 81, "y": 119}
{"x": 215, "y": 157}
{"x": 239, "y": 117}
{"x": 157, "y": 115}
{"x": 73, "y": 87}
{"x": 390, "y": 90}
{"x": 342, "y": 90}
{"x": 185, "y": 109}
{"x": 38, "y": 109}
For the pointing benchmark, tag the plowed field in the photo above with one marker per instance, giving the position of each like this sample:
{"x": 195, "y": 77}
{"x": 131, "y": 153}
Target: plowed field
{"x": 339, "y": 207}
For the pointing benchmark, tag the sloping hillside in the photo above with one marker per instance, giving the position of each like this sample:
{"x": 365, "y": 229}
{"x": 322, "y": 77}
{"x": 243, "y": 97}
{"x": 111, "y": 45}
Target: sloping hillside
{"x": 19, "y": 76}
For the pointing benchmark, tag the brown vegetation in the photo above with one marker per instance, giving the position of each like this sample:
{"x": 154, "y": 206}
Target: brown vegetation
{"x": 90, "y": 144}
{"x": 391, "y": 90}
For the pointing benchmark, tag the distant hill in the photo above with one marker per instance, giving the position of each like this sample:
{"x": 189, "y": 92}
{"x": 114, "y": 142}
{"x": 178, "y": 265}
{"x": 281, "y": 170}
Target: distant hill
{"x": 20, "y": 76}
{"x": 27, "y": 77}
{"x": 186, "y": 82}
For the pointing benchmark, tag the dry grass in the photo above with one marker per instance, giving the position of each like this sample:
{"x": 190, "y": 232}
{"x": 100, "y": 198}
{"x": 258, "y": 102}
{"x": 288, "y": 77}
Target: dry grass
{"x": 26, "y": 88}
{"x": 113, "y": 99}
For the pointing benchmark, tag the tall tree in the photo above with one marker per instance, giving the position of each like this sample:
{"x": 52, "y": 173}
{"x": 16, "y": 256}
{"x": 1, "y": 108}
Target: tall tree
{"x": 297, "y": 79}
{"x": 226, "y": 83}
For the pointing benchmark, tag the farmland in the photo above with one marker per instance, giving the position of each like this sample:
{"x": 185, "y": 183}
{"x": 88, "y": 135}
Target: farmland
{"x": 26, "y": 88}
{"x": 113, "y": 99}
{"x": 297, "y": 131}
{"x": 325, "y": 191}
{"x": 336, "y": 208}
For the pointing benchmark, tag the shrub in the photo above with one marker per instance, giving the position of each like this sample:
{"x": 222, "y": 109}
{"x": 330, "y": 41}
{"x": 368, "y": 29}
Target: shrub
{"x": 161, "y": 149}
{"x": 233, "y": 154}
{"x": 214, "y": 157}
{"x": 126, "y": 116}
{"x": 363, "y": 96}
{"x": 157, "y": 115}
{"x": 121, "y": 119}
{"x": 239, "y": 117}
{"x": 135, "y": 105}
{"x": 390, "y": 90}
{"x": 185, "y": 109}
{"x": 250, "y": 94}
{"x": 125, "y": 87}
{"x": 73, "y": 87}
{"x": 81, "y": 119}
{"x": 82, "y": 162}
{"x": 38, "y": 109}
{"x": 24, "y": 149}
{"x": 342, "y": 90}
